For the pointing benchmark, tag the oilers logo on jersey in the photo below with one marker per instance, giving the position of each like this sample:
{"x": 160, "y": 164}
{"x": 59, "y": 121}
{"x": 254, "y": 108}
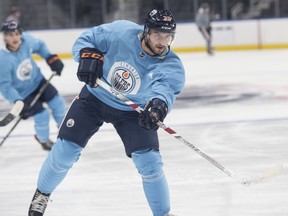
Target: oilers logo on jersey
{"x": 124, "y": 78}
{"x": 24, "y": 70}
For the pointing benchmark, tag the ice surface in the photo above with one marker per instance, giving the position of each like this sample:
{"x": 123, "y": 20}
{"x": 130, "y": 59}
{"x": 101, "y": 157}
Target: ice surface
{"x": 234, "y": 107}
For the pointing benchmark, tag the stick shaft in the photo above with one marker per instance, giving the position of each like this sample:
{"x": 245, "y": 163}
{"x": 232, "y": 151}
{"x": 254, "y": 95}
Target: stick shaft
{"x": 42, "y": 89}
{"x": 166, "y": 128}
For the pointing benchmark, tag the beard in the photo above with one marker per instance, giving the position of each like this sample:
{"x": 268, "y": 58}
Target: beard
{"x": 164, "y": 49}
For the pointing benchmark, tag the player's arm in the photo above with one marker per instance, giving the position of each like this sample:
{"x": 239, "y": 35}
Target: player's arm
{"x": 90, "y": 66}
{"x": 170, "y": 84}
{"x": 8, "y": 91}
{"x": 40, "y": 48}
{"x": 37, "y": 45}
{"x": 55, "y": 63}
{"x": 99, "y": 37}
{"x": 155, "y": 111}
{"x": 12, "y": 95}
{"x": 6, "y": 88}
{"x": 202, "y": 23}
{"x": 89, "y": 51}
{"x": 162, "y": 95}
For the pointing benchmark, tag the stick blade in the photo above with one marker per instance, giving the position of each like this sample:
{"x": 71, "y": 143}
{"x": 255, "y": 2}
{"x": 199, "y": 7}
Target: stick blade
{"x": 265, "y": 176}
{"x": 15, "y": 111}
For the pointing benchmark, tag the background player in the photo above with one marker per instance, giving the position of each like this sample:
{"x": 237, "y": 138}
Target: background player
{"x": 21, "y": 79}
{"x": 15, "y": 14}
{"x": 140, "y": 65}
{"x": 203, "y": 21}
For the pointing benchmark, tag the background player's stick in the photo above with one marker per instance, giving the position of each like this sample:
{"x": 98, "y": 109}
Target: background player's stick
{"x": 266, "y": 176}
{"x": 14, "y": 112}
{"x": 31, "y": 104}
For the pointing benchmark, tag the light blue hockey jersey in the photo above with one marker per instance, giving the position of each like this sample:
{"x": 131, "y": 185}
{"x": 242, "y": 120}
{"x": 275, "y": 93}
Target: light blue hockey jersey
{"x": 19, "y": 74}
{"x": 128, "y": 68}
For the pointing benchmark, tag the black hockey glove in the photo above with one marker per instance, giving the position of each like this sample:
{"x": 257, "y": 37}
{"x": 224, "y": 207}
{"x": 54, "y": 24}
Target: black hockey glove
{"x": 155, "y": 111}
{"x": 90, "y": 66}
{"x": 26, "y": 112}
{"x": 55, "y": 64}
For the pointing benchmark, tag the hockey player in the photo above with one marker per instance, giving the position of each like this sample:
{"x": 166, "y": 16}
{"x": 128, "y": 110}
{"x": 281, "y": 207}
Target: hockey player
{"x": 21, "y": 79}
{"x": 138, "y": 64}
{"x": 15, "y": 14}
{"x": 203, "y": 22}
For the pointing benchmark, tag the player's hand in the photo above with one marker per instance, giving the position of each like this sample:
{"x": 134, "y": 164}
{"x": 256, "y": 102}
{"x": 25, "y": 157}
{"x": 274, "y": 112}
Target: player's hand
{"x": 55, "y": 64}
{"x": 26, "y": 112}
{"x": 90, "y": 66}
{"x": 155, "y": 111}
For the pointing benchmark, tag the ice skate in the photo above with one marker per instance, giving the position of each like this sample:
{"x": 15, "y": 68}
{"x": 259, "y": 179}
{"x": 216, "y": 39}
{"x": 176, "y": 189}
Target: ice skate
{"x": 45, "y": 145}
{"x": 38, "y": 204}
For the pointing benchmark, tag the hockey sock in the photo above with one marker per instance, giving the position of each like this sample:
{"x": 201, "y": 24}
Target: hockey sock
{"x": 149, "y": 165}
{"x": 42, "y": 125}
{"x": 58, "y": 107}
{"x": 54, "y": 169}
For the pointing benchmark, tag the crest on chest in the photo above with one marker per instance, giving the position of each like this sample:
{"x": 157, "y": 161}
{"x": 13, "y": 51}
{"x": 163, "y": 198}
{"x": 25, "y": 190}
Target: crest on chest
{"x": 124, "y": 78}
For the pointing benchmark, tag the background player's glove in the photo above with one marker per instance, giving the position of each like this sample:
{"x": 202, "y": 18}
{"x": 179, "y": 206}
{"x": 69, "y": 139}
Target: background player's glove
{"x": 155, "y": 110}
{"x": 55, "y": 64}
{"x": 26, "y": 112}
{"x": 90, "y": 66}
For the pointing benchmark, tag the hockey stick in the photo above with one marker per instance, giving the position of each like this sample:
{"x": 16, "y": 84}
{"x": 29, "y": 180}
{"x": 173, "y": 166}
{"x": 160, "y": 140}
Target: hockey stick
{"x": 31, "y": 105}
{"x": 14, "y": 112}
{"x": 266, "y": 176}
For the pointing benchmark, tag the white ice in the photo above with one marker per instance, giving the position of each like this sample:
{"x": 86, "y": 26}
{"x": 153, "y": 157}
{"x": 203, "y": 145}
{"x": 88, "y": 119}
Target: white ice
{"x": 236, "y": 110}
